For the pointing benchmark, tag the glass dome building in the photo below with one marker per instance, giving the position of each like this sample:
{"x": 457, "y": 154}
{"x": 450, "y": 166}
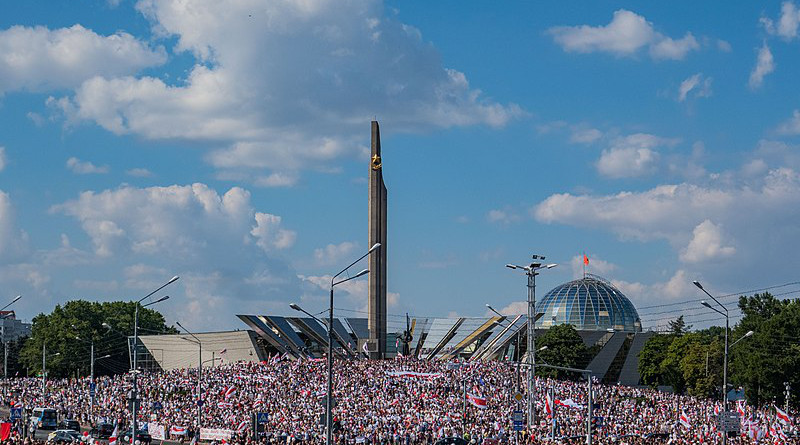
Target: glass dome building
{"x": 590, "y": 303}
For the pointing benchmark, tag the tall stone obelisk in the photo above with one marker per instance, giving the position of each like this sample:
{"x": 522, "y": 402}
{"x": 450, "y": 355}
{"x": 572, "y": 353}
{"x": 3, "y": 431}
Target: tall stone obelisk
{"x": 377, "y": 261}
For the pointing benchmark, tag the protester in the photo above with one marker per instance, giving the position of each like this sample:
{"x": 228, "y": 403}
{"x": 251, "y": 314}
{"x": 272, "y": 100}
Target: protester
{"x": 404, "y": 401}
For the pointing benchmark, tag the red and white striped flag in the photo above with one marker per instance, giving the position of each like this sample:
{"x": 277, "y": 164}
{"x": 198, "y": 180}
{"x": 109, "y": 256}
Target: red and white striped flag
{"x": 685, "y": 420}
{"x": 548, "y": 406}
{"x": 782, "y": 416}
{"x": 476, "y": 401}
{"x": 242, "y": 426}
{"x": 113, "y": 438}
{"x": 229, "y": 392}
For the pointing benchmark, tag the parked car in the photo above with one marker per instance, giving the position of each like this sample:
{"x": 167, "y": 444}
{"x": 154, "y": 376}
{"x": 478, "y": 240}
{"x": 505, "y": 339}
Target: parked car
{"x": 64, "y": 436}
{"x": 102, "y": 431}
{"x": 142, "y": 436}
{"x": 69, "y": 424}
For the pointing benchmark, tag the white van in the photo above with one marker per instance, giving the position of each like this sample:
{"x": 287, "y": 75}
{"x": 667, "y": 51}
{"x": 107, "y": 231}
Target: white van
{"x": 44, "y": 419}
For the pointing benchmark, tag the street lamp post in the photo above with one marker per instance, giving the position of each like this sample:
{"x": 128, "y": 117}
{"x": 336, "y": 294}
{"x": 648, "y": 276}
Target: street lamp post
{"x": 44, "y": 365}
{"x": 5, "y": 340}
{"x": 334, "y": 283}
{"x": 531, "y": 271}
{"x": 199, "y": 373}
{"x": 134, "y": 370}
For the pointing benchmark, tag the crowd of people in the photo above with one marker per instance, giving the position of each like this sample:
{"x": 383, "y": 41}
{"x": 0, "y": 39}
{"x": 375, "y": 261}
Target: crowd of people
{"x": 404, "y": 401}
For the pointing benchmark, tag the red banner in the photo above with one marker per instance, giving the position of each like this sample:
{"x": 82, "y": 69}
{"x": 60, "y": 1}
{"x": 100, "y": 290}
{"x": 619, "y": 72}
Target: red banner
{"x": 5, "y": 430}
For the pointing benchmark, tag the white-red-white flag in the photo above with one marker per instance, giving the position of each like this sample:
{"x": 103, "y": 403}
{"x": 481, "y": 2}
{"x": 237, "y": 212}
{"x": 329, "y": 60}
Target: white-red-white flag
{"x": 782, "y": 416}
{"x": 113, "y": 438}
{"x": 685, "y": 420}
{"x": 477, "y": 401}
{"x": 548, "y": 406}
{"x": 229, "y": 392}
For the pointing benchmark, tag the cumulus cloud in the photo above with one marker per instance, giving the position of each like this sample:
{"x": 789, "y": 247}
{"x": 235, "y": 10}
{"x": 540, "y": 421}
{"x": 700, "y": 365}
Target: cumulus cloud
{"x": 788, "y": 22}
{"x": 227, "y": 253}
{"x": 678, "y": 287}
{"x": 631, "y": 156}
{"x": 706, "y": 244}
{"x": 697, "y": 84}
{"x": 175, "y": 221}
{"x": 284, "y": 86}
{"x": 85, "y": 167}
{"x": 40, "y": 59}
{"x": 582, "y": 135}
{"x": 758, "y": 216}
{"x": 764, "y": 65}
{"x": 625, "y": 35}
{"x": 790, "y": 127}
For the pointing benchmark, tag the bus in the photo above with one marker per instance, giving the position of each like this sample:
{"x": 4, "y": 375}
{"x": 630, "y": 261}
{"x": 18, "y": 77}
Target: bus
{"x": 44, "y": 419}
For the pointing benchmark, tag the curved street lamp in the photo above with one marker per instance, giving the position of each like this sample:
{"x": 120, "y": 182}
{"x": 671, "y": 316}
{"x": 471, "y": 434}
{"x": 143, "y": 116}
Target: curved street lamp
{"x": 334, "y": 283}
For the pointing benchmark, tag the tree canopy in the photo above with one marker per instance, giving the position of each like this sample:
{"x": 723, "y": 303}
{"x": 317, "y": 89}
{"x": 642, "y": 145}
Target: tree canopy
{"x": 564, "y": 348}
{"x": 69, "y": 330}
{"x": 761, "y": 364}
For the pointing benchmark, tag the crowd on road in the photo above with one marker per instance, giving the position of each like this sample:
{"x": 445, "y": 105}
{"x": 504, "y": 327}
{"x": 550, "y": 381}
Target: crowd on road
{"x": 404, "y": 401}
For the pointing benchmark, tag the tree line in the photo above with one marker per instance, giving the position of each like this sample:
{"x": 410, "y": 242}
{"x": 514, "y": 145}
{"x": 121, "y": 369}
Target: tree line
{"x": 68, "y": 332}
{"x": 762, "y": 364}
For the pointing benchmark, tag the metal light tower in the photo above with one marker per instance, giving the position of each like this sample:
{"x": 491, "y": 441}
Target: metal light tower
{"x": 531, "y": 271}
{"x": 134, "y": 369}
{"x": 199, "y": 373}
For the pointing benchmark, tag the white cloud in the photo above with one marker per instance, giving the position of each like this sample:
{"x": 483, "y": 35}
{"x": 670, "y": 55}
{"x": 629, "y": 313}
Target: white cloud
{"x": 284, "y": 85}
{"x": 225, "y": 251}
{"x": 269, "y": 234}
{"x": 585, "y": 135}
{"x": 631, "y": 156}
{"x": 40, "y": 59}
{"x": 791, "y": 127}
{"x": 625, "y": 35}
{"x": 787, "y": 23}
{"x": 514, "y": 308}
{"x": 667, "y": 48}
{"x": 85, "y": 167}
{"x": 701, "y": 87}
{"x": 678, "y": 287}
{"x": 706, "y": 244}
{"x": 506, "y": 216}
{"x": 139, "y": 172}
{"x": 334, "y": 253}
{"x": 175, "y": 221}
{"x": 764, "y": 65}
{"x": 758, "y": 214}
{"x": 3, "y": 160}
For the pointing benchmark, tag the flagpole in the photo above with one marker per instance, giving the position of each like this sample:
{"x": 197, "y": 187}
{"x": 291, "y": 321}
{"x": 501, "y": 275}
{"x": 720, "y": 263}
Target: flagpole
{"x": 553, "y": 411}
{"x": 464, "y": 413}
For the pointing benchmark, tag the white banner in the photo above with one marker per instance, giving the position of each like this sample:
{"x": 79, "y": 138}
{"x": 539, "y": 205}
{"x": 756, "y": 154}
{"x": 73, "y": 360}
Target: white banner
{"x": 177, "y": 430}
{"x": 215, "y": 434}
{"x": 156, "y": 431}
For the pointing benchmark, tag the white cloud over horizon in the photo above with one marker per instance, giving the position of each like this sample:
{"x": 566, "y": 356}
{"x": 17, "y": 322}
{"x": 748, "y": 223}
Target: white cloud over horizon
{"x": 279, "y": 86}
{"x": 765, "y": 64}
{"x": 41, "y": 59}
{"x": 625, "y": 35}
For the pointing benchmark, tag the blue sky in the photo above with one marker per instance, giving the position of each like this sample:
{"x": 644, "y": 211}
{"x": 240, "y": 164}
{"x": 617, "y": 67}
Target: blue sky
{"x": 226, "y": 142}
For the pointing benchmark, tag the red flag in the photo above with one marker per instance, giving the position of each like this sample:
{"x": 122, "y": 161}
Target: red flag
{"x": 585, "y": 260}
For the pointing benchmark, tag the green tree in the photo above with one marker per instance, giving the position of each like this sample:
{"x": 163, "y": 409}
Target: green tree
{"x": 678, "y": 326}
{"x": 652, "y": 354}
{"x": 762, "y": 363}
{"x": 68, "y": 356}
{"x": 564, "y": 348}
